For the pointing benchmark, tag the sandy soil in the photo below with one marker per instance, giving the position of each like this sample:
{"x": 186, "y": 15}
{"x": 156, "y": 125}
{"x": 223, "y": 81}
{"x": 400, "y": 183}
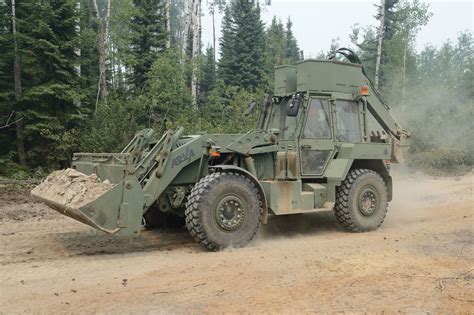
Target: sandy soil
{"x": 420, "y": 261}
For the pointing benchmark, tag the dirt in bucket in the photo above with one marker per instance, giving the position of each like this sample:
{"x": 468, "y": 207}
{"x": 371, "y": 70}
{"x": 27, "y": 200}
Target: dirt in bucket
{"x": 71, "y": 188}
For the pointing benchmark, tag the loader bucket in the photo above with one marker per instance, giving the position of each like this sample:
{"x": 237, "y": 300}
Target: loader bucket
{"x": 98, "y": 203}
{"x": 400, "y": 150}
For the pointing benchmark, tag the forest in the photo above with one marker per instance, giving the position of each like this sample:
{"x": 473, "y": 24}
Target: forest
{"x": 85, "y": 75}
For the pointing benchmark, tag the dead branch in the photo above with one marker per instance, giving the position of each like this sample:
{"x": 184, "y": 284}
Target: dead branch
{"x": 9, "y": 123}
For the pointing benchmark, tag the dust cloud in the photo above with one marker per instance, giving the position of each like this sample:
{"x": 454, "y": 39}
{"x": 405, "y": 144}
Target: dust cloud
{"x": 416, "y": 194}
{"x": 416, "y": 197}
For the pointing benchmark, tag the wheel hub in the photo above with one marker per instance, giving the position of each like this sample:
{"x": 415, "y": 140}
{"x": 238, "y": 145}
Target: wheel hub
{"x": 368, "y": 201}
{"x": 230, "y": 213}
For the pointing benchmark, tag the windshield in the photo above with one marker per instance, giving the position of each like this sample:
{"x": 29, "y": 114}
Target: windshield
{"x": 279, "y": 120}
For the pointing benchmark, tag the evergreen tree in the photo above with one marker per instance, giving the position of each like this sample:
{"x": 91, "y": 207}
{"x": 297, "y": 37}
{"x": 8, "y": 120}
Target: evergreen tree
{"x": 276, "y": 44}
{"x": 390, "y": 16}
{"x": 177, "y": 21}
{"x": 88, "y": 55}
{"x": 208, "y": 72}
{"x": 7, "y": 135}
{"x": 402, "y": 20}
{"x": 149, "y": 37}
{"x": 292, "y": 49}
{"x": 367, "y": 45}
{"x": 243, "y": 60}
{"x": 50, "y": 81}
{"x": 366, "y": 48}
{"x": 167, "y": 96}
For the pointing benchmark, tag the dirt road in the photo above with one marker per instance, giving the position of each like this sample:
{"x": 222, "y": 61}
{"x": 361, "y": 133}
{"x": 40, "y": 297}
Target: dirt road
{"x": 421, "y": 260}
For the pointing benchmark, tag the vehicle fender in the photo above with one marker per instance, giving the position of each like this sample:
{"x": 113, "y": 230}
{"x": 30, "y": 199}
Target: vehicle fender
{"x": 250, "y": 176}
{"x": 379, "y": 167}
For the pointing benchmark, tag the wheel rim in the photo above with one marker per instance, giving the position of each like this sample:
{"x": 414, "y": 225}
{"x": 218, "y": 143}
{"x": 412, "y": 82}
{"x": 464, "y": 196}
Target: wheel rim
{"x": 230, "y": 213}
{"x": 368, "y": 201}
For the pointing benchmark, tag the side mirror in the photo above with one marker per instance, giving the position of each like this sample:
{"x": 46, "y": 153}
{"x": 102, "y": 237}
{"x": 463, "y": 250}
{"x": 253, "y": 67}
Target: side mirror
{"x": 294, "y": 106}
{"x": 250, "y": 108}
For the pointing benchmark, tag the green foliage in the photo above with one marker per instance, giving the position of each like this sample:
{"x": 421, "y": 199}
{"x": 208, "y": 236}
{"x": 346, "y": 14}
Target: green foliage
{"x": 10, "y": 169}
{"x": 431, "y": 92}
{"x": 167, "y": 94}
{"x": 365, "y": 39}
{"x": 282, "y": 47}
{"x": 292, "y": 49}
{"x": 148, "y": 37}
{"x": 113, "y": 126}
{"x": 6, "y": 79}
{"x": 399, "y": 66}
{"x": 50, "y": 93}
{"x": 148, "y": 84}
{"x": 89, "y": 56}
{"x": 276, "y": 44}
{"x": 223, "y": 112}
{"x": 243, "y": 53}
{"x": 390, "y": 17}
{"x": 208, "y": 73}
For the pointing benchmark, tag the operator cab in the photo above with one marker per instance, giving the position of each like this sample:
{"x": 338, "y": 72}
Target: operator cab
{"x": 319, "y": 107}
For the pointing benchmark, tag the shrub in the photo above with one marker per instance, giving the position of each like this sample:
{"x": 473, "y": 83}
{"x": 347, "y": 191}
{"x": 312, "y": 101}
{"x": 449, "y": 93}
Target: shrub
{"x": 441, "y": 161}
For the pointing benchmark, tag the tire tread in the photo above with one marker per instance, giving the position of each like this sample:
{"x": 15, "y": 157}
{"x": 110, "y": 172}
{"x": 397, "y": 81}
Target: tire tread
{"x": 342, "y": 207}
{"x": 195, "y": 199}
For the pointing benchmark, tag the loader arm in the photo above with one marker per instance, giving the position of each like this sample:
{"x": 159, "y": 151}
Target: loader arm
{"x": 381, "y": 113}
{"x": 380, "y": 110}
{"x": 169, "y": 163}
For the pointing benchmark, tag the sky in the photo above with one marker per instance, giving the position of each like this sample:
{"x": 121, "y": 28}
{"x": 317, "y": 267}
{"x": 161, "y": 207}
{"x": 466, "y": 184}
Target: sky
{"x": 317, "y": 22}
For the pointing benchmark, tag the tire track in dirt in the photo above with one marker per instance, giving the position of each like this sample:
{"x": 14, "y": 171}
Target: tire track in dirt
{"x": 420, "y": 260}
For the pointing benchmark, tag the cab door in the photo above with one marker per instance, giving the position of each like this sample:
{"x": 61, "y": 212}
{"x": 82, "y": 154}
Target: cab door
{"x": 316, "y": 140}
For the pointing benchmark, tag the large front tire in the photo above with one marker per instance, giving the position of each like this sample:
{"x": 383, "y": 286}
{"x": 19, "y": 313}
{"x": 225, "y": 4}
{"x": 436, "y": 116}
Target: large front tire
{"x": 223, "y": 210}
{"x": 361, "y": 201}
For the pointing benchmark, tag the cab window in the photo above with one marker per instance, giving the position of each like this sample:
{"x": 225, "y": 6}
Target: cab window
{"x": 347, "y": 116}
{"x": 279, "y": 120}
{"x": 317, "y": 124}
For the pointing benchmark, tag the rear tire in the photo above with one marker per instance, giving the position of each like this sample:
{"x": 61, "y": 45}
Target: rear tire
{"x": 223, "y": 210}
{"x": 361, "y": 201}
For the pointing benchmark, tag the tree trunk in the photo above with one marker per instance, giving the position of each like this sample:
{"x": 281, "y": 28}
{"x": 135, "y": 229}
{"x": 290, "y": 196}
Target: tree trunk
{"x": 20, "y": 139}
{"x": 196, "y": 40}
{"x": 103, "y": 25}
{"x": 379, "y": 44}
{"x": 214, "y": 33}
{"x": 404, "y": 75}
{"x": 77, "y": 50}
{"x": 187, "y": 25}
{"x": 119, "y": 73}
{"x": 102, "y": 74}
{"x": 107, "y": 21}
{"x": 168, "y": 23}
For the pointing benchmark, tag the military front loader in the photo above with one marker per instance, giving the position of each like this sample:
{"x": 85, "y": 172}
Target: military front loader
{"x": 324, "y": 142}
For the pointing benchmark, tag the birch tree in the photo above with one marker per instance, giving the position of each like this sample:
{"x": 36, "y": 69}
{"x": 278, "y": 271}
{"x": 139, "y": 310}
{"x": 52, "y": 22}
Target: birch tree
{"x": 187, "y": 25}
{"x": 103, "y": 32}
{"x": 215, "y": 6}
{"x": 380, "y": 35}
{"x": 196, "y": 27}
{"x": 168, "y": 22}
